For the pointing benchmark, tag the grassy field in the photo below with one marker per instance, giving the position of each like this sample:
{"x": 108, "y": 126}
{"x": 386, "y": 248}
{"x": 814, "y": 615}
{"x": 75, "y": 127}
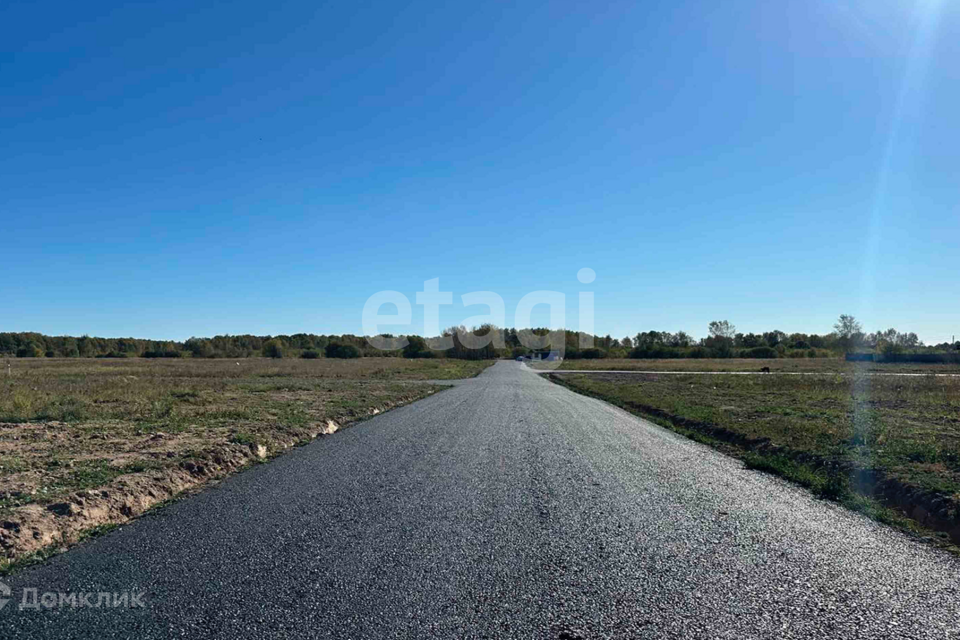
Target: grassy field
{"x": 798, "y": 365}
{"x": 868, "y": 441}
{"x": 71, "y": 427}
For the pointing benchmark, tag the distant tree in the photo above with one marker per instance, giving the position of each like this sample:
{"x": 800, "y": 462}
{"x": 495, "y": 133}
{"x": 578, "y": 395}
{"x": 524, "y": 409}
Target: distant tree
{"x": 310, "y": 354}
{"x": 593, "y": 354}
{"x": 626, "y": 342}
{"x": 30, "y": 350}
{"x": 752, "y": 340}
{"x": 681, "y": 339}
{"x": 889, "y": 348}
{"x": 69, "y": 349}
{"x": 349, "y": 351}
{"x": 86, "y": 347}
{"x": 721, "y": 339}
{"x": 909, "y": 340}
{"x": 722, "y": 329}
{"x": 759, "y": 352}
{"x": 273, "y": 349}
{"x": 847, "y": 326}
{"x": 849, "y": 333}
{"x": 338, "y": 350}
{"x": 774, "y": 338}
{"x": 545, "y": 342}
{"x": 652, "y": 339}
{"x": 199, "y": 347}
{"x": 892, "y": 341}
{"x": 416, "y": 347}
{"x": 479, "y": 343}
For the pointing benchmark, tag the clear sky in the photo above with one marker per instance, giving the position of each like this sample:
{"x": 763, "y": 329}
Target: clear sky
{"x": 180, "y": 168}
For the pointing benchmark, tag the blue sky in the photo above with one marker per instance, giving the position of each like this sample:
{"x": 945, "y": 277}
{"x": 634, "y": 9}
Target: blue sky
{"x": 178, "y": 168}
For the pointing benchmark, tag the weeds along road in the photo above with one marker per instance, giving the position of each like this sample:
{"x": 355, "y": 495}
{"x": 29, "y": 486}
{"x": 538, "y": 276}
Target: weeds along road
{"x": 504, "y": 507}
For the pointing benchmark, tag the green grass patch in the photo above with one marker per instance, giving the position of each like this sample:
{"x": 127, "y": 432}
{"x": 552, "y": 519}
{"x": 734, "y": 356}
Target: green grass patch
{"x": 246, "y": 439}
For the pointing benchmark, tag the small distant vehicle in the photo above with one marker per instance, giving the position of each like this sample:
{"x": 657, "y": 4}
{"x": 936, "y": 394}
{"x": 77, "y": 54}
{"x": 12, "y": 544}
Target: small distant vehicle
{"x": 519, "y": 358}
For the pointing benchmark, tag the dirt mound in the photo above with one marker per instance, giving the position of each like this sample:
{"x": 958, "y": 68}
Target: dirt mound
{"x": 50, "y": 527}
{"x": 34, "y": 527}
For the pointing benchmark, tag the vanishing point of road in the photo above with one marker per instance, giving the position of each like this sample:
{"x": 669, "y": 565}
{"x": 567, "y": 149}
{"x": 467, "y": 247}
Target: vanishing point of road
{"x": 505, "y": 507}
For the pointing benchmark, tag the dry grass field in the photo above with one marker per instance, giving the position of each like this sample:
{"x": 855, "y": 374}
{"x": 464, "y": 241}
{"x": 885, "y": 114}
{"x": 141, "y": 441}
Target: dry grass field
{"x": 90, "y": 442}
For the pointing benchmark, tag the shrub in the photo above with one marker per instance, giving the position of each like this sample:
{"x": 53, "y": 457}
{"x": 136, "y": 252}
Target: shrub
{"x": 593, "y": 354}
{"x": 724, "y": 349}
{"x": 655, "y": 352}
{"x": 337, "y": 350}
{"x": 29, "y": 350}
{"x": 890, "y": 348}
{"x": 162, "y": 354}
{"x": 310, "y": 354}
{"x": 199, "y": 347}
{"x": 759, "y": 352}
{"x": 416, "y": 347}
{"x": 273, "y": 349}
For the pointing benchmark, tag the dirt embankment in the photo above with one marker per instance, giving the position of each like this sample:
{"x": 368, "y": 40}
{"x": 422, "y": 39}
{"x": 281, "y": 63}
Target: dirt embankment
{"x": 34, "y": 528}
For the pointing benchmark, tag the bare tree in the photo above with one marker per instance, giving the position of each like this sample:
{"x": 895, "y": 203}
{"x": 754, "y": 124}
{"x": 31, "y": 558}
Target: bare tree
{"x": 722, "y": 329}
{"x": 847, "y": 326}
{"x": 849, "y": 332}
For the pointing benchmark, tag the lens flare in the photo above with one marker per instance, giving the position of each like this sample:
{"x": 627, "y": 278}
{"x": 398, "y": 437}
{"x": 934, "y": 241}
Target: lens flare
{"x": 909, "y": 105}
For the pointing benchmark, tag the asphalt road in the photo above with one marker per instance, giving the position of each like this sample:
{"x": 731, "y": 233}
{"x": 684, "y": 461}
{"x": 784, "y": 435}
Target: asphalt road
{"x": 506, "y": 507}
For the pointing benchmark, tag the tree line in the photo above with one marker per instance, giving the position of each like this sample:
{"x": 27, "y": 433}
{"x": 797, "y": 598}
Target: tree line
{"x": 487, "y": 341}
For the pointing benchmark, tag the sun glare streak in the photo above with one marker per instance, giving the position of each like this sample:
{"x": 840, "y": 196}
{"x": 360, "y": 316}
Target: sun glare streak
{"x": 910, "y": 96}
{"x": 909, "y": 100}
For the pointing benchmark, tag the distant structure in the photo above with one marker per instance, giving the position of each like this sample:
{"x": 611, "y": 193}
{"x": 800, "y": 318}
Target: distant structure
{"x": 546, "y": 355}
